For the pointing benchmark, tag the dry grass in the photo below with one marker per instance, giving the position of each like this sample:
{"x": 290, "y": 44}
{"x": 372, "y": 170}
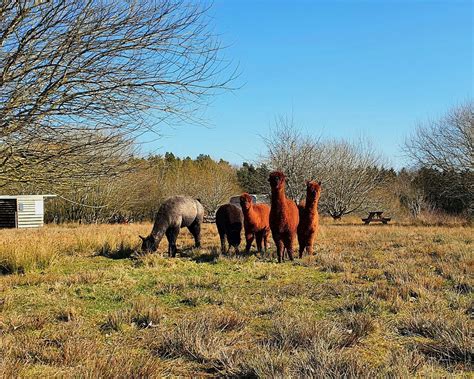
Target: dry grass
{"x": 375, "y": 301}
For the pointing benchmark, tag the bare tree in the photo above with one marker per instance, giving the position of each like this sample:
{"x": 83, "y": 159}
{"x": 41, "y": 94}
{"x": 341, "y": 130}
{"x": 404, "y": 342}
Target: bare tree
{"x": 351, "y": 175}
{"x": 349, "y": 171}
{"x": 410, "y": 195}
{"x": 446, "y": 144}
{"x": 296, "y": 154}
{"x": 80, "y": 79}
{"x": 210, "y": 181}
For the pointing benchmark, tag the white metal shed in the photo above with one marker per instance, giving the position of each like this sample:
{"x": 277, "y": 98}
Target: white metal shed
{"x": 22, "y": 211}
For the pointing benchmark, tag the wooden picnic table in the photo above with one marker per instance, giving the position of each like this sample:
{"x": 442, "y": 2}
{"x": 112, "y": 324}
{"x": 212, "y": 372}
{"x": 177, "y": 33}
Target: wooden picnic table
{"x": 376, "y": 216}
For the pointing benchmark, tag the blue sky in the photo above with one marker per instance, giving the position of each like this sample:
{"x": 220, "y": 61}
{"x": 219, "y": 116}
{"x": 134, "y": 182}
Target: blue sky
{"x": 342, "y": 68}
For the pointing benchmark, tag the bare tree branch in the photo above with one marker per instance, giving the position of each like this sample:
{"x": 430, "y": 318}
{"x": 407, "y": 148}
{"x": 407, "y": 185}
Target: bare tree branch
{"x": 446, "y": 143}
{"x": 80, "y": 78}
{"x": 349, "y": 171}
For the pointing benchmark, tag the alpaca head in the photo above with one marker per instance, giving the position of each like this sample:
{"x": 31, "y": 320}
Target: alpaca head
{"x": 148, "y": 244}
{"x": 277, "y": 180}
{"x": 246, "y": 201}
{"x": 313, "y": 189}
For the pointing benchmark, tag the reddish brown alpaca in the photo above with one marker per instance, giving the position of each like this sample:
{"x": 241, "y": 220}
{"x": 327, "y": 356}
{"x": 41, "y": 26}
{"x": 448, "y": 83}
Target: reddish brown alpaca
{"x": 256, "y": 222}
{"x": 284, "y": 217}
{"x": 309, "y": 217}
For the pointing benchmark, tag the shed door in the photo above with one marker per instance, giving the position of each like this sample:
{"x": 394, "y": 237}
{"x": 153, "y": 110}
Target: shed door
{"x": 7, "y": 213}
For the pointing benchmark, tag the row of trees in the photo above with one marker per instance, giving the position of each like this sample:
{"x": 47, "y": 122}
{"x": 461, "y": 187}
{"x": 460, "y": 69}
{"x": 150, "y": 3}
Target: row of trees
{"x": 138, "y": 193}
{"x": 354, "y": 180}
{"x": 353, "y": 176}
{"x": 350, "y": 171}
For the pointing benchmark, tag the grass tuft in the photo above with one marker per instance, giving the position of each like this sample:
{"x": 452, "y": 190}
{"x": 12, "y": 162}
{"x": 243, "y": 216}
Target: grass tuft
{"x": 447, "y": 338}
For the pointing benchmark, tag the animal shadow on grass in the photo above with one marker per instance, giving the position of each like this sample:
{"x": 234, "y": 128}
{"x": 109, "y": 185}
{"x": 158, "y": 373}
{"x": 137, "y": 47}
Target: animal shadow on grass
{"x": 201, "y": 256}
{"x": 120, "y": 252}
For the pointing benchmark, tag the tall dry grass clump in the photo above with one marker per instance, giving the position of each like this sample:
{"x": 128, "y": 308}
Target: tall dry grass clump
{"x": 446, "y": 338}
{"x": 26, "y": 250}
{"x": 20, "y": 253}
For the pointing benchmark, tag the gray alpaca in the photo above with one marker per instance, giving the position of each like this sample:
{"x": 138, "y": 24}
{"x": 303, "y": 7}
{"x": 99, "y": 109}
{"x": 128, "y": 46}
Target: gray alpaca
{"x": 175, "y": 213}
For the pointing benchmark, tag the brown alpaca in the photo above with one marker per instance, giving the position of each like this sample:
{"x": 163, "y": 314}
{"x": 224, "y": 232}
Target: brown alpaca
{"x": 284, "y": 216}
{"x": 256, "y": 222}
{"x": 309, "y": 217}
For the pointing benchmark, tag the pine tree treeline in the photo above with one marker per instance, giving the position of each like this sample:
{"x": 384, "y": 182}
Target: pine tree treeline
{"x": 253, "y": 179}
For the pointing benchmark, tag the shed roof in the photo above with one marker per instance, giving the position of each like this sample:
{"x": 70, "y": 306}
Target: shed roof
{"x": 23, "y": 197}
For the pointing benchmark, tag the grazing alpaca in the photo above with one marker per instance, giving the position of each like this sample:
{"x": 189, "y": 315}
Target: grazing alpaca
{"x": 175, "y": 213}
{"x": 284, "y": 216}
{"x": 229, "y": 221}
{"x": 309, "y": 217}
{"x": 256, "y": 222}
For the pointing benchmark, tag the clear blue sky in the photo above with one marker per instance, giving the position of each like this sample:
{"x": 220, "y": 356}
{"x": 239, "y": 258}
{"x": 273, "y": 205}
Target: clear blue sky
{"x": 342, "y": 68}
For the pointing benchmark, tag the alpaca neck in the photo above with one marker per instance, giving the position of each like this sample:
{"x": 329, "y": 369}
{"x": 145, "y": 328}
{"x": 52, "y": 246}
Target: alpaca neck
{"x": 312, "y": 204}
{"x": 159, "y": 229}
{"x": 250, "y": 212}
{"x": 278, "y": 198}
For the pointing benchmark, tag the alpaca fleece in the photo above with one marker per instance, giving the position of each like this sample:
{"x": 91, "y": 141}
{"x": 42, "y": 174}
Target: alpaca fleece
{"x": 175, "y": 213}
{"x": 309, "y": 218}
{"x": 229, "y": 220}
{"x": 284, "y": 216}
{"x": 256, "y": 222}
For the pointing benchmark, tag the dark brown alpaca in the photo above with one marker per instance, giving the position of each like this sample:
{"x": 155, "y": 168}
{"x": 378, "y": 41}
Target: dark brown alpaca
{"x": 284, "y": 216}
{"x": 309, "y": 217}
{"x": 256, "y": 222}
{"x": 229, "y": 220}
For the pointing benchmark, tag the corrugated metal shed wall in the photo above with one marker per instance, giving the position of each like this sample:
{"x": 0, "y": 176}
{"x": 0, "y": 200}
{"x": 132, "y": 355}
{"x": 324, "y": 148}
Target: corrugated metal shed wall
{"x": 30, "y": 212}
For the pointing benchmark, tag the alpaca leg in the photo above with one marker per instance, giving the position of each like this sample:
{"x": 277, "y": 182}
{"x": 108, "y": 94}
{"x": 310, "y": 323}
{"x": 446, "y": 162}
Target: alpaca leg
{"x": 249, "y": 238}
{"x": 259, "y": 238}
{"x": 289, "y": 247}
{"x": 302, "y": 247}
{"x": 169, "y": 238}
{"x": 235, "y": 244}
{"x": 195, "y": 230}
{"x": 172, "y": 236}
{"x": 280, "y": 250}
{"x": 301, "y": 244}
{"x": 265, "y": 243}
{"x": 310, "y": 247}
{"x": 221, "y": 236}
{"x": 222, "y": 244}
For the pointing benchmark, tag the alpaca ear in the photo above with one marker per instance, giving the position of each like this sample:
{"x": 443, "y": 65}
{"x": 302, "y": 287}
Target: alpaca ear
{"x": 142, "y": 238}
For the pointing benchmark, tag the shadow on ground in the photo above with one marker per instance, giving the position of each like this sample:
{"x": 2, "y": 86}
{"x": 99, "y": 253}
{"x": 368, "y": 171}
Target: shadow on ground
{"x": 200, "y": 256}
{"x": 121, "y": 252}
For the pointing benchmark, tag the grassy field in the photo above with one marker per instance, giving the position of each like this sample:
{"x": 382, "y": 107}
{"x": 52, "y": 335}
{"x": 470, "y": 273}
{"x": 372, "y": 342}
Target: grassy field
{"x": 375, "y": 301}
